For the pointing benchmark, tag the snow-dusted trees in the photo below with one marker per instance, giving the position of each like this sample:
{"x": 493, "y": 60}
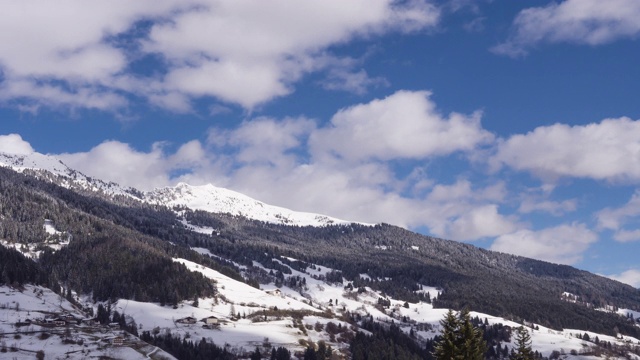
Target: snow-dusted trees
{"x": 460, "y": 339}
{"x": 523, "y": 345}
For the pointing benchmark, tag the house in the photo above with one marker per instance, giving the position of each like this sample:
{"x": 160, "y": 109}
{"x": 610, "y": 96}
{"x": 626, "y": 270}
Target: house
{"x": 69, "y": 318}
{"x": 117, "y": 341}
{"x": 211, "y": 320}
{"x": 55, "y": 322}
{"x": 187, "y": 320}
{"x": 275, "y": 292}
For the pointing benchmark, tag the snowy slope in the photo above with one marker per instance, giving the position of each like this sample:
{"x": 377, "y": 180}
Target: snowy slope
{"x": 54, "y": 240}
{"x": 321, "y": 303}
{"x": 206, "y": 197}
{"x": 32, "y": 304}
{"x": 52, "y": 169}
{"x": 219, "y": 200}
{"x": 248, "y": 318}
{"x": 35, "y": 161}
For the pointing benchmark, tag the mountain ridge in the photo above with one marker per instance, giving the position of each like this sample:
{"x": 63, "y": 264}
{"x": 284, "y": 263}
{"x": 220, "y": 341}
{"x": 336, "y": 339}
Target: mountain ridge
{"x": 384, "y": 261}
{"x": 207, "y": 197}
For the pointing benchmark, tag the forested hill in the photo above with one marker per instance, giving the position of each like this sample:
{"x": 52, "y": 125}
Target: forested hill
{"x": 122, "y": 248}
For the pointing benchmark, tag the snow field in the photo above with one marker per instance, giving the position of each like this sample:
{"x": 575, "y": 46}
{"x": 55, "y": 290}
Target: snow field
{"x": 69, "y": 342}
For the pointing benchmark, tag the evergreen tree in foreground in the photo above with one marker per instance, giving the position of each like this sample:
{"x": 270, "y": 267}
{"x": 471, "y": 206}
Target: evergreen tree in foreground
{"x": 474, "y": 345}
{"x": 447, "y": 347}
{"x": 523, "y": 344}
{"x": 460, "y": 339}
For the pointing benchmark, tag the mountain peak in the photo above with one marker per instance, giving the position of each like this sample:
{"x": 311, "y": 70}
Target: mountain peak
{"x": 35, "y": 161}
{"x": 52, "y": 169}
{"x": 206, "y": 197}
{"x": 215, "y": 199}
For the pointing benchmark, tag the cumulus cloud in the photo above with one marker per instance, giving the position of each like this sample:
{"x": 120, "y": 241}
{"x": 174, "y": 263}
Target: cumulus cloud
{"x": 120, "y": 163}
{"x": 78, "y": 54}
{"x": 563, "y": 244}
{"x": 480, "y": 222}
{"x": 591, "y": 22}
{"x": 555, "y": 208}
{"x": 14, "y": 144}
{"x": 264, "y": 140}
{"x": 355, "y": 82}
{"x": 616, "y": 218}
{"x": 465, "y": 212}
{"x": 60, "y": 54}
{"x": 631, "y": 277}
{"x": 251, "y": 52}
{"x": 56, "y": 96}
{"x": 627, "y": 235}
{"x": 403, "y": 125}
{"x": 609, "y": 150}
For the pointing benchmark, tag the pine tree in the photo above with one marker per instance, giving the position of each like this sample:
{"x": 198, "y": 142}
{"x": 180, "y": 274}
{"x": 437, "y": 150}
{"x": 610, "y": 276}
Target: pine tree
{"x": 460, "y": 339}
{"x": 523, "y": 343}
{"x": 310, "y": 354}
{"x": 473, "y": 345}
{"x": 256, "y": 354}
{"x": 447, "y": 347}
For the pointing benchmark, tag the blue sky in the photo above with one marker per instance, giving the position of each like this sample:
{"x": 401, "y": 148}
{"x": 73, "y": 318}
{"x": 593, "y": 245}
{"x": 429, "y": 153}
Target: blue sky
{"x": 511, "y": 125}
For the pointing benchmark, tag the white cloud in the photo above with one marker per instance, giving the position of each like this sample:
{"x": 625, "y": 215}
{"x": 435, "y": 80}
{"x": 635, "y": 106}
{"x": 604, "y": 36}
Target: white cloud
{"x": 264, "y": 140}
{"x": 250, "y": 52}
{"x": 354, "y": 193}
{"x": 247, "y": 84}
{"x": 55, "y": 96}
{"x": 631, "y": 277}
{"x": 464, "y": 212}
{"x": 556, "y": 208}
{"x": 475, "y": 25}
{"x": 591, "y": 22}
{"x": 78, "y": 54}
{"x": 463, "y": 190}
{"x": 403, "y": 125}
{"x": 563, "y": 244}
{"x": 480, "y": 222}
{"x": 627, "y": 235}
{"x": 354, "y": 82}
{"x": 173, "y": 101}
{"x": 118, "y": 162}
{"x": 15, "y": 145}
{"x": 616, "y": 219}
{"x": 60, "y": 54}
{"x": 360, "y": 193}
{"x": 609, "y": 150}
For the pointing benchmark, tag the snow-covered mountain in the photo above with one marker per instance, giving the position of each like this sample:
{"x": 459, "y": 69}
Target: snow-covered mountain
{"x": 270, "y": 286}
{"x": 219, "y": 200}
{"x": 36, "y": 161}
{"x": 206, "y": 197}
{"x": 52, "y": 169}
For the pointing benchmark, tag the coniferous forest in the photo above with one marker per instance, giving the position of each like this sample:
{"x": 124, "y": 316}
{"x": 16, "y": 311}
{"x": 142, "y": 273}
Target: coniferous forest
{"x": 123, "y": 248}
